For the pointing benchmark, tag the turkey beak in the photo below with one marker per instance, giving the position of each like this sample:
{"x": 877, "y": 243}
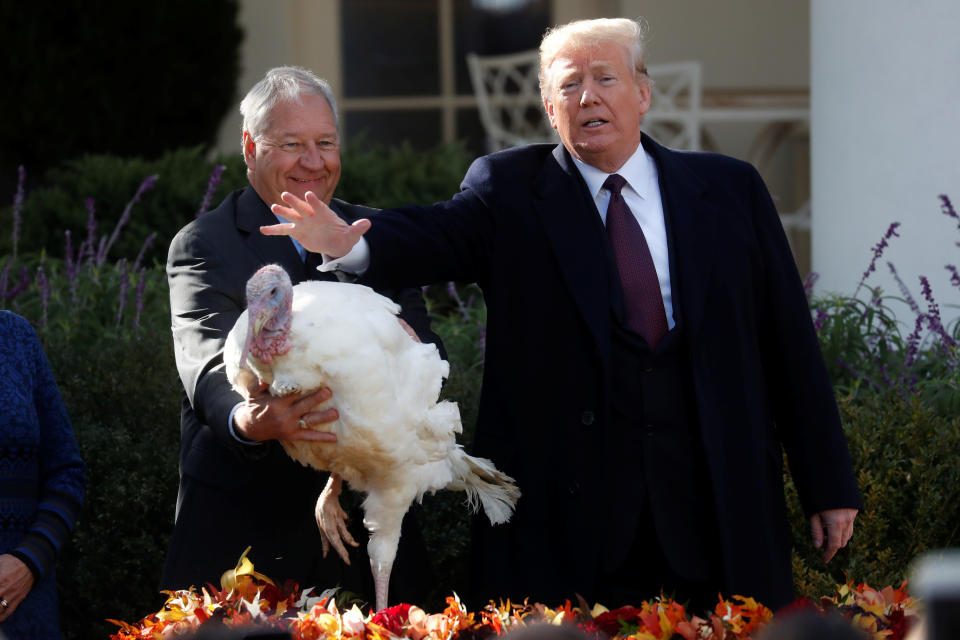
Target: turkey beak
{"x": 263, "y": 314}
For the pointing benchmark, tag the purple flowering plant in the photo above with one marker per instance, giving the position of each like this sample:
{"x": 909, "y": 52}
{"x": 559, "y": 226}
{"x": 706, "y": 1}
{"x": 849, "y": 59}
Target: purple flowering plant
{"x": 878, "y": 342}
{"x": 79, "y": 292}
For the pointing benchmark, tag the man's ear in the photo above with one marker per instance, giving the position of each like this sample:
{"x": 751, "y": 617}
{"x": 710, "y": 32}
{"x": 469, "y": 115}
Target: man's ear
{"x": 646, "y": 92}
{"x": 548, "y": 107}
{"x": 249, "y": 150}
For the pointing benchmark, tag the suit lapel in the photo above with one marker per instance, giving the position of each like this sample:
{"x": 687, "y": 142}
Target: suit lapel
{"x": 574, "y": 230}
{"x": 252, "y": 213}
{"x": 693, "y": 221}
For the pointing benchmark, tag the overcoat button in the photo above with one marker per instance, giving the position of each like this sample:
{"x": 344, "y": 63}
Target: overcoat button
{"x": 587, "y": 418}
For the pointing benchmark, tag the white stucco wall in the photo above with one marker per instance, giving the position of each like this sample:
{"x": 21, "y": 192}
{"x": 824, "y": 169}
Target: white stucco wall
{"x": 741, "y": 43}
{"x": 885, "y": 94}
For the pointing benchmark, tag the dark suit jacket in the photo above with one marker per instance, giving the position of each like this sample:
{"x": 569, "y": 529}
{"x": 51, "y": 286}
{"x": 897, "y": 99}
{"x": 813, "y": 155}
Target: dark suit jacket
{"x": 232, "y": 494}
{"x": 524, "y": 228}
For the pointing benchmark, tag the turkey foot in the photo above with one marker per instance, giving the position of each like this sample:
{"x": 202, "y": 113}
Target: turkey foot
{"x": 332, "y": 520}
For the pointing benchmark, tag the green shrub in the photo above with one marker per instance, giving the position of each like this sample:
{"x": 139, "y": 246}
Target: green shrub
{"x": 110, "y": 181}
{"x": 379, "y": 176}
{"x": 904, "y": 454}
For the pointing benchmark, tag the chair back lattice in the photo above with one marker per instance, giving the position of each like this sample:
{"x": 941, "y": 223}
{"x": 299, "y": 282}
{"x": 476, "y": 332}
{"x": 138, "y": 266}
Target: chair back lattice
{"x": 507, "y": 90}
{"x": 674, "y": 117}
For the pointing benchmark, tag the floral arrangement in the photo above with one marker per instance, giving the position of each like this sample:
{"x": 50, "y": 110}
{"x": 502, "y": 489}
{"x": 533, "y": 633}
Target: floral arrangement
{"x": 247, "y": 597}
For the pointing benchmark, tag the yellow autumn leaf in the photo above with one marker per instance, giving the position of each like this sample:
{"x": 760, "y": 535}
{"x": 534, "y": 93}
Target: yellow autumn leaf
{"x": 228, "y": 581}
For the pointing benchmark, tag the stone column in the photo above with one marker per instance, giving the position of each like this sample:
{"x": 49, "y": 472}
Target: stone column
{"x": 885, "y": 142}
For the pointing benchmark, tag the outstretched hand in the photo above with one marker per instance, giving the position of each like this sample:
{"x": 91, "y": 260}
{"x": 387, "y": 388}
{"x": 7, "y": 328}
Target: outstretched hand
{"x": 314, "y": 225}
{"x": 833, "y": 526}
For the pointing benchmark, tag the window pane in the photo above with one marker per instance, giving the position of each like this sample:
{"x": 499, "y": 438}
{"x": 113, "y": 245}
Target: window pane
{"x": 421, "y": 128}
{"x": 389, "y": 48}
{"x": 470, "y": 131}
{"x": 491, "y": 27}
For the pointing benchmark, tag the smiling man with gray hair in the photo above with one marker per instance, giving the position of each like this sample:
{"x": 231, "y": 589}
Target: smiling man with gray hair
{"x": 238, "y": 487}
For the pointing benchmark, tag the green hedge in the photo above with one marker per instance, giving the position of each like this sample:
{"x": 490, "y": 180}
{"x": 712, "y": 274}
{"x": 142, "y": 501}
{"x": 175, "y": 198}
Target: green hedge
{"x": 904, "y": 454}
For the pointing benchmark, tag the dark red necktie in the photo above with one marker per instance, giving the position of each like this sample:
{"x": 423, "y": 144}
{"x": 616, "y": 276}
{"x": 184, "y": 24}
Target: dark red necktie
{"x": 642, "y": 299}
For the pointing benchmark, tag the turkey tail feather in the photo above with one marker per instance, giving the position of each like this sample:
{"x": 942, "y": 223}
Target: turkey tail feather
{"x": 487, "y": 486}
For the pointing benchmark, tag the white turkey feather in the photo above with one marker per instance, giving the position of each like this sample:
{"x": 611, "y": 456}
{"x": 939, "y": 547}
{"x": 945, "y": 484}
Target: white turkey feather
{"x": 395, "y": 441}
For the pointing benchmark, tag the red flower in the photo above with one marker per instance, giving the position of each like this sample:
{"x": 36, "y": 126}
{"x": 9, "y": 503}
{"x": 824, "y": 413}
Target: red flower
{"x": 393, "y": 619}
{"x": 800, "y": 605}
{"x": 611, "y": 622}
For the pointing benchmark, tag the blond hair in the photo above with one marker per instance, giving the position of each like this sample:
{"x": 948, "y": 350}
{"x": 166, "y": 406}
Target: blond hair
{"x": 631, "y": 34}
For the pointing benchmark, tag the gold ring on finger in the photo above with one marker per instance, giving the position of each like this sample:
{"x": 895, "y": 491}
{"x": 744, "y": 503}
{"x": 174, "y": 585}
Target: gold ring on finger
{"x": 303, "y": 424}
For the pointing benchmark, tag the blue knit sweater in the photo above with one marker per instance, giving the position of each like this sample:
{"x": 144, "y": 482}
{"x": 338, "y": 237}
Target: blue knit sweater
{"x": 41, "y": 474}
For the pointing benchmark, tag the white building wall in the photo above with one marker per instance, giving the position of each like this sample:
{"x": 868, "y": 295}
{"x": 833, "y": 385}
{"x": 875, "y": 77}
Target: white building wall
{"x": 741, "y": 43}
{"x": 885, "y": 109}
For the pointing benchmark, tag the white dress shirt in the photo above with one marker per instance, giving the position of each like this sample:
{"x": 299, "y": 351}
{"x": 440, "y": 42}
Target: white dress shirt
{"x": 642, "y": 195}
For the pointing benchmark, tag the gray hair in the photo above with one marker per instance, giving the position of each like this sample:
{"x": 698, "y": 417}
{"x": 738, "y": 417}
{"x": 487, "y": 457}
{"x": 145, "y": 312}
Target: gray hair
{"x": 278, "y": 85}
{"x": 632, "y": 34}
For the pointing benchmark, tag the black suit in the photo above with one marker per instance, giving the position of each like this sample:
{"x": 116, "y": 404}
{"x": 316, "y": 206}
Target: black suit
{"x": 746, "y": 369}
{"x": 233, "y": 494}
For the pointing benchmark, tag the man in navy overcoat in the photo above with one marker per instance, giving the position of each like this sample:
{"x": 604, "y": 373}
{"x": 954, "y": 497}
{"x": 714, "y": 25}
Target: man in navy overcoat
{"x": 644, "y": 463}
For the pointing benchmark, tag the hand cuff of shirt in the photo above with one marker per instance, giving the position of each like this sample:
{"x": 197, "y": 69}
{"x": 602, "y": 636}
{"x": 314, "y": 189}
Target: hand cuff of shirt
{"x": 233, "y": 428}
{"x": 354, "y": 263}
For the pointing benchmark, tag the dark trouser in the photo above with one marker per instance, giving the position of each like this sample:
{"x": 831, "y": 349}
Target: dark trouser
{"x": 645, "y": 574}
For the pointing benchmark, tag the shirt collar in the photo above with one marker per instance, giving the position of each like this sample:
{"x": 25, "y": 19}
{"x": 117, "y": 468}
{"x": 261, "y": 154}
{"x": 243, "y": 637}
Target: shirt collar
{"x": 637, "y": 171}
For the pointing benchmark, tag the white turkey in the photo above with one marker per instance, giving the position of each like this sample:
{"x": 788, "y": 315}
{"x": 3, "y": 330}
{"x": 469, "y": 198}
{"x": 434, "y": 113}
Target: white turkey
{"x": 395, "y": 441}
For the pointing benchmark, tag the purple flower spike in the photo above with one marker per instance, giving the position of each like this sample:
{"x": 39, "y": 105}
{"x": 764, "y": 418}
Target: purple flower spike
{"x": 933, "y": 314}
{"x": 482, "y": 341}
{"x": 141, "y": 287}
{"x": 878, "y": 250}
{"x": 18, "y": 208}
{"x": 148, "y": 183}
{"x": 20, "y": 286}
{"x": 212, "y": 185}
{"x": 954, "y": 276}
{"x": 947, "y": 208}
{"x": 86, "y": 248}
{"x": 143, "y": 250}
{"x": 913, "y": 343}
{"x": 44, "y": 285}
{"x": 821, "y": 320}
{"x": 124, "y": 284}
{"x": 809, "y": 282}
{"x": 904, "y": 291}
